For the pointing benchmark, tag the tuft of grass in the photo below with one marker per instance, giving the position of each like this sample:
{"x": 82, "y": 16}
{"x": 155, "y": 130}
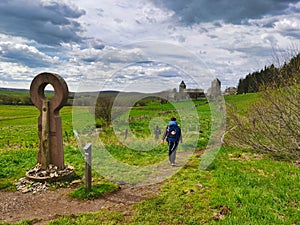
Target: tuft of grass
{"x": 140, "y": 158}
{"x": 23, "y": 222}
{"x": 103, "y": 217}
{"x": 14, "y": 163}
{"x": 96, "y": 191}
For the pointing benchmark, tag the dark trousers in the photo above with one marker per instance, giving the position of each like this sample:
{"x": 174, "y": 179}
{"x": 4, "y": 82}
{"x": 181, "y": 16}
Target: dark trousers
{"x": 172, "y": 150}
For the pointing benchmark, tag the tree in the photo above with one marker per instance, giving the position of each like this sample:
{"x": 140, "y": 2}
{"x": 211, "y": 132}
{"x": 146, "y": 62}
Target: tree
{"x": 103, "y": 109}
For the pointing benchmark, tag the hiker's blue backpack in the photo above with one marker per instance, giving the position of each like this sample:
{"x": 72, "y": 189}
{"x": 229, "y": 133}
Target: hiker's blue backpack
{"x": 173, "y": 131}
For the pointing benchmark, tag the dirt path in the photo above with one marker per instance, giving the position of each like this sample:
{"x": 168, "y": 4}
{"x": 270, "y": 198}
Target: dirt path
{"x": 49, "y": 205}
{"x": 45, "y": 206}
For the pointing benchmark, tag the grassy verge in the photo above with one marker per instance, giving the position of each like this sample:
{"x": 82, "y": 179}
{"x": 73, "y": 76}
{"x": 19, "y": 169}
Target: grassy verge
{"x": 14, "y": 163}
{"x": 104, "y": 218}
{"x": 96, "y": 191}
{"x": 255, "y": 189}
{"x": 241, "y": 187}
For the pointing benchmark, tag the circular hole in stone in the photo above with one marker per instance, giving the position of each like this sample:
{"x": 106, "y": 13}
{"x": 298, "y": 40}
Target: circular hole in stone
{"x": 49, "y": 91}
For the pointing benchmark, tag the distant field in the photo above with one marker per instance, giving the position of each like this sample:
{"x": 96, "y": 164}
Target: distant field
{"x": 18, "y": 125}
{"x": 14, "y": 92}
{"x": 243, "y": 101}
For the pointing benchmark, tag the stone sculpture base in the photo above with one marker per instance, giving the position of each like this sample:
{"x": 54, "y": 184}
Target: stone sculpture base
{"x": 51, "y": 174}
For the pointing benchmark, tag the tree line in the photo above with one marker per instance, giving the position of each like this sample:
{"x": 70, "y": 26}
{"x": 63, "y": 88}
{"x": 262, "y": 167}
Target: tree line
{"x": 22, "y": 99}
{"x": 269, "y": 76}
{"x": 15, "y": 100}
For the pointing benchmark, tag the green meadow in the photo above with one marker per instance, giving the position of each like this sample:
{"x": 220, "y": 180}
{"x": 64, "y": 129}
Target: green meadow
{"x": 239, "y": 187}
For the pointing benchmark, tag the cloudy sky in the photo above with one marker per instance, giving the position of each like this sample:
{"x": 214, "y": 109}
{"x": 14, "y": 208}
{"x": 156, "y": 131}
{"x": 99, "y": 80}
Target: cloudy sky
{"x": 143, "y": 45}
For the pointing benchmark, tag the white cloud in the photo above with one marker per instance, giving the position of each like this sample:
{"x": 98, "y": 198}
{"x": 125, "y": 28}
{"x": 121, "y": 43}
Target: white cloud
{"x": 287, "y": 24}
{"x": 121, "y": 22}
{"x": 90, "y": 41}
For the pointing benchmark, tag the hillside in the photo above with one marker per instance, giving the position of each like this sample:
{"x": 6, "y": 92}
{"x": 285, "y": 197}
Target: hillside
{"x": 14, "y": 96}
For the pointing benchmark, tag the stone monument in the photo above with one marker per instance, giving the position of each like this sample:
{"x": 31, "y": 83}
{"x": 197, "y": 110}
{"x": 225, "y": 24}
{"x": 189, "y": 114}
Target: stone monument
{"x": 51, "y": 152}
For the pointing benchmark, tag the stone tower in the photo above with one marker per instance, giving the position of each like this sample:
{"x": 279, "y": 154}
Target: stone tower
{"x": 215, "y": 90}
{"x": 182, "y": 87}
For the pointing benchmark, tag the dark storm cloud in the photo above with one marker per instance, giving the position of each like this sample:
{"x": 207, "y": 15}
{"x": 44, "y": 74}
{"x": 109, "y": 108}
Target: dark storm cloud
{"x": 51, "y": 23}
{"x": 230, "y": 11}
{"x": 23, "y": 54}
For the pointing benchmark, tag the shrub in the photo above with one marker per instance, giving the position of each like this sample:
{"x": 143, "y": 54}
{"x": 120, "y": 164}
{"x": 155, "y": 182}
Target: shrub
{"x": 271, "y": 124}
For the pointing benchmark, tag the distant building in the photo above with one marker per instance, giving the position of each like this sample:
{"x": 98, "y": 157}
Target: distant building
{"x": 192, "y": 93}
{"x": 230, "y": 91}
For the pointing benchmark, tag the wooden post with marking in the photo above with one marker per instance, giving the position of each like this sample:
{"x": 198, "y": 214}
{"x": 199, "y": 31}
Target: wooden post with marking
{"x": 88, "y": 165}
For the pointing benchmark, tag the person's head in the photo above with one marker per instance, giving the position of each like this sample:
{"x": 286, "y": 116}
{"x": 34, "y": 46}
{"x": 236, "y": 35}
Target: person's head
{"x": 173, "y": 119}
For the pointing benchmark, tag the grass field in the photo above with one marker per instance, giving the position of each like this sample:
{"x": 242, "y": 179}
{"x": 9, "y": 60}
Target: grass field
{"x": 239, "y": 187}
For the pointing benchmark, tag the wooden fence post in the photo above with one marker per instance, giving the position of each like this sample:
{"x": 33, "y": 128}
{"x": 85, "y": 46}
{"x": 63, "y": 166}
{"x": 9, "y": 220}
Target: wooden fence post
{"x": 88, "y": 165}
